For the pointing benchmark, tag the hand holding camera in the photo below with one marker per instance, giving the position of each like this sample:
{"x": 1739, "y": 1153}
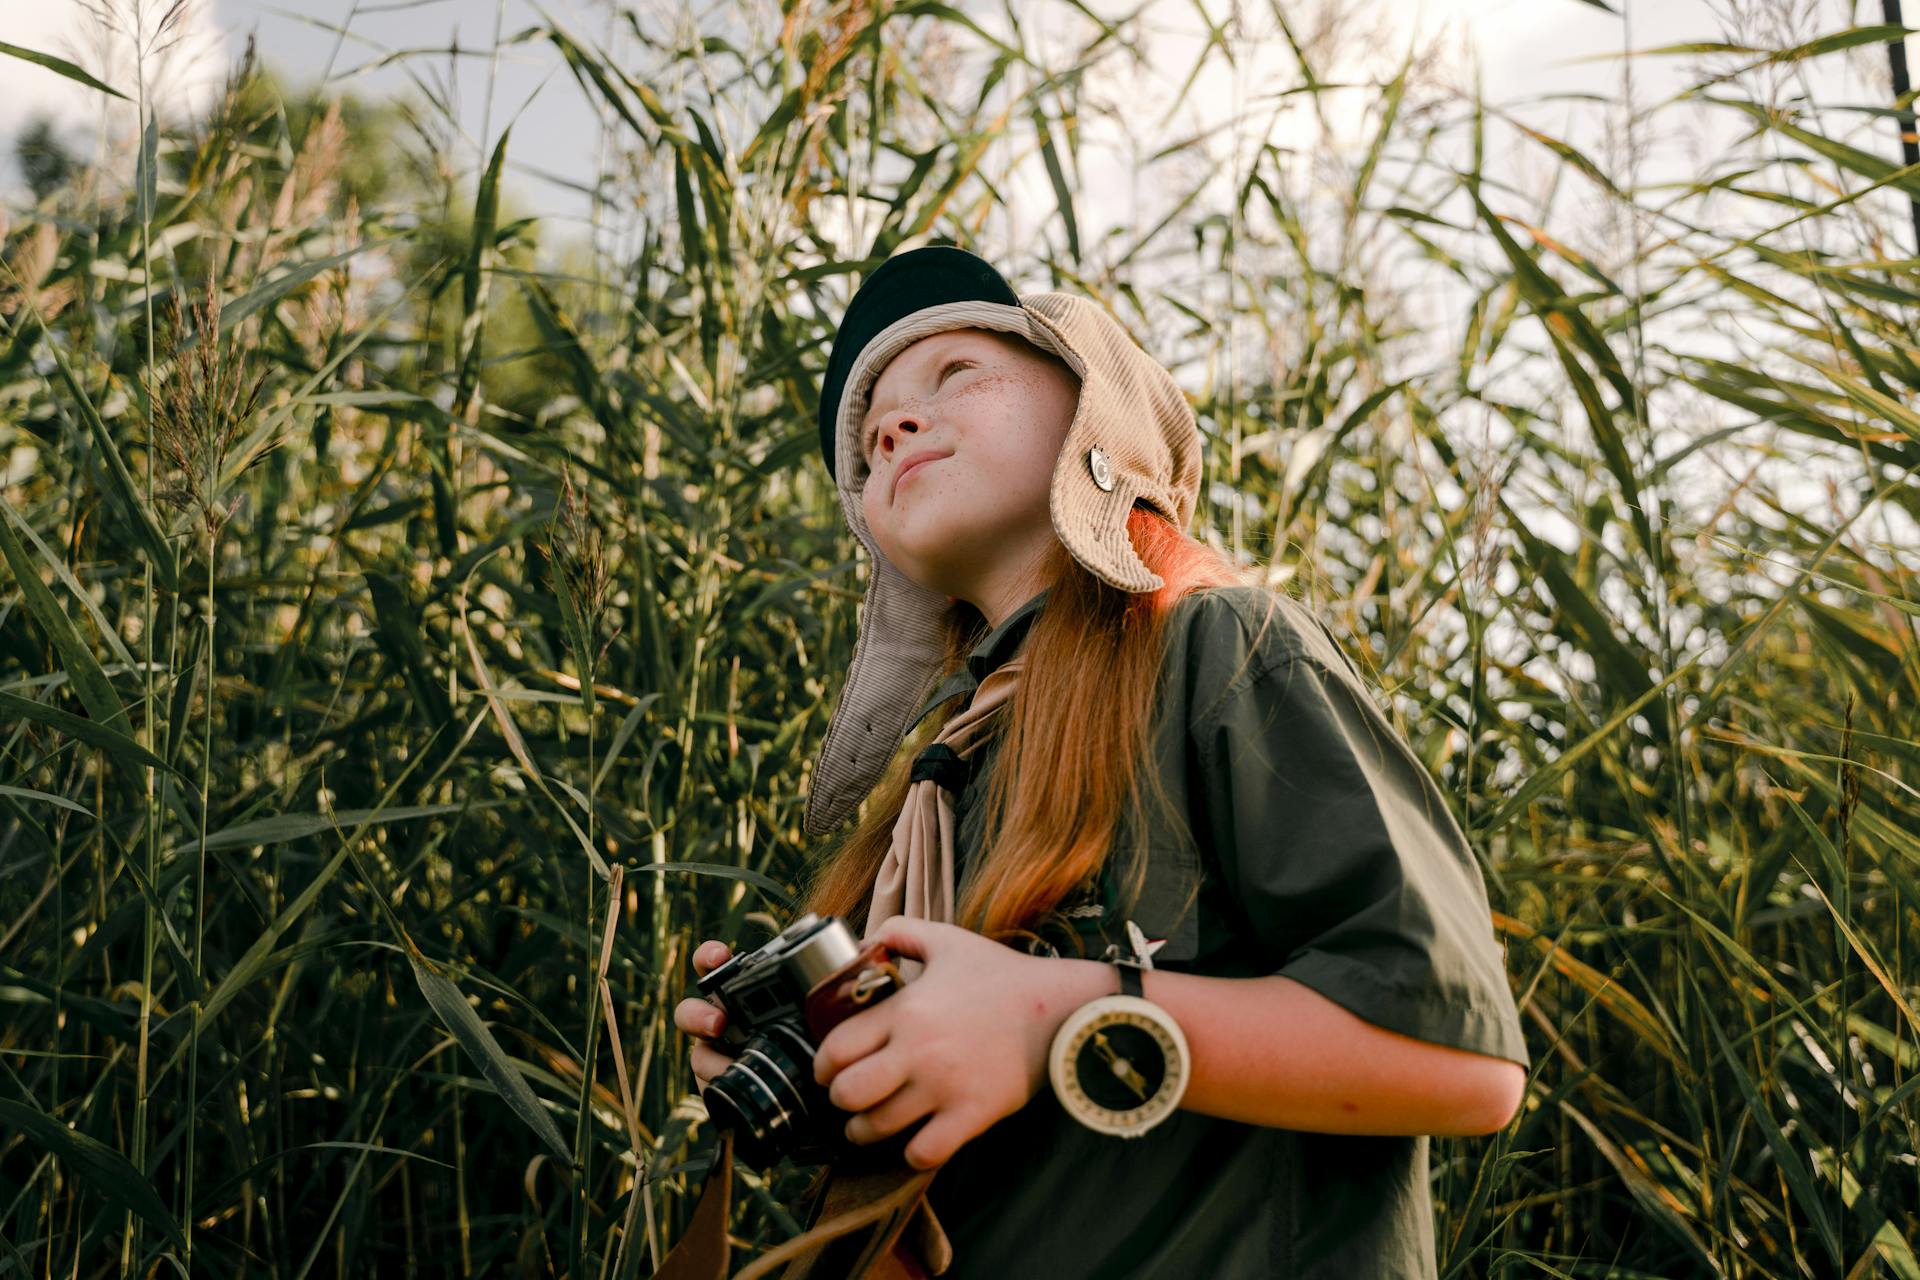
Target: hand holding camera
{"x": 968, "y": 1046}
{"x": 702, "y": 1019}
{"x": 763, "y": 1017}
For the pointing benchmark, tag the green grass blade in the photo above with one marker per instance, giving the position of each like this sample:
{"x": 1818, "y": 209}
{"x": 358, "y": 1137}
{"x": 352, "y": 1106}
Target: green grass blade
{"x": 60, "y": 67}
{"x": 1057, "y": 175}
{"x": 1647, "y": 1193}
{"x": 1543, "y": 778}
{"x": 458, "y": 1017}
{"x": 91, "y": 732}
{"x": 83, "y": 669}
{"x": 95, "y": 1163}
{"x": 1787, "y": 1156}
{"x": 103, "y": 628}
{"x": 296, "y": 826}
{"x": 766, "y": 884}
{"x": 28, "y": 793}
{"x": 510, "y": 731}
{"x": 126, "y": 498}
{"x": 1853, "y": 159}
{"x": 473, "y": 277}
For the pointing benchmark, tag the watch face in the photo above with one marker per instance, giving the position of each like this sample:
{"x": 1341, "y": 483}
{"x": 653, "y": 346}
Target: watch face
{"x": 1119, "y": 1065}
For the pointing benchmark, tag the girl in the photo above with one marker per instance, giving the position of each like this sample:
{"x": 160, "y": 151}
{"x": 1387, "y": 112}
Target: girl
{"x": 1109, "y": 724}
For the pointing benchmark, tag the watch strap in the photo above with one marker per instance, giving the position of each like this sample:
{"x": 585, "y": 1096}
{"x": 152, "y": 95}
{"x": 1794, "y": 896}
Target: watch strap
{"x": 1130, "y": 984}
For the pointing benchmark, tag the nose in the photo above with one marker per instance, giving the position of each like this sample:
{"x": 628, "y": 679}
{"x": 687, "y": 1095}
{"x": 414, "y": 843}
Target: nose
{"x": 891, "y": 427}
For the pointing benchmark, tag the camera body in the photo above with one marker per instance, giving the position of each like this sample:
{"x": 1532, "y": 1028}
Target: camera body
{"x": 781, "y": 1001}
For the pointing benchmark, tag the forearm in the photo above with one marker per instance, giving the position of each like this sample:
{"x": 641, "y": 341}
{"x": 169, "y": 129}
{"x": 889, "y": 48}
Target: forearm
{"x": 1272, "y": 1051}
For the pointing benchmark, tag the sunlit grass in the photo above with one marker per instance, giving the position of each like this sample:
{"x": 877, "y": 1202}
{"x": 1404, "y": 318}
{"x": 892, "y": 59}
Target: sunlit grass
{"x": 408, "y": 654}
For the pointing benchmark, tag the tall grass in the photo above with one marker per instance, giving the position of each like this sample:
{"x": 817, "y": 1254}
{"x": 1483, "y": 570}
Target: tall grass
{"x": 416, "y": 643}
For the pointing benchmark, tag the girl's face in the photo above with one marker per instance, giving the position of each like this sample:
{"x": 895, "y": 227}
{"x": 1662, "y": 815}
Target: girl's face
{"x": 960, "y": 439}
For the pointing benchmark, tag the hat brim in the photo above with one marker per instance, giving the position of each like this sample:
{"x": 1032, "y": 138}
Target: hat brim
{"x": 843, "y": 447}
{"x": 906, "y": 283}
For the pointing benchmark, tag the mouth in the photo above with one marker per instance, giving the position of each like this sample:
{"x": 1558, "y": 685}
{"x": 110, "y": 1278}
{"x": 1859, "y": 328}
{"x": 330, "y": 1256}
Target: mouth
{"x": 918, "y": 461}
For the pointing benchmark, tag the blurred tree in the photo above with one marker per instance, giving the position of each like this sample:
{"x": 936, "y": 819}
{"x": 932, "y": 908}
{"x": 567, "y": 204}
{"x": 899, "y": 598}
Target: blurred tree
{"x": 44, "y": 160}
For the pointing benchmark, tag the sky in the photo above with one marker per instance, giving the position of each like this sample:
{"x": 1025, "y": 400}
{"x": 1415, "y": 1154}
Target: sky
{"x": 1547, "y": 62}
{"x": 1527, "y": 49}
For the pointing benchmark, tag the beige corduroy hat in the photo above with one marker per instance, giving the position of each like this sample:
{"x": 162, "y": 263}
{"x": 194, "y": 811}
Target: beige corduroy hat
{"x": 1133, "y": 437}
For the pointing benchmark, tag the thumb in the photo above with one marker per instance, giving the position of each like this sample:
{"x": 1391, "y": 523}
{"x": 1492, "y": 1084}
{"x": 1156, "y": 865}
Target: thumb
{"x": 908, "y": 936}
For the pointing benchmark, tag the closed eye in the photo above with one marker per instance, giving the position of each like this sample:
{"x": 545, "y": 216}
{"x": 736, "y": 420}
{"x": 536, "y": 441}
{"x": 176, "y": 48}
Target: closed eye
{"x": 866, "y": 445}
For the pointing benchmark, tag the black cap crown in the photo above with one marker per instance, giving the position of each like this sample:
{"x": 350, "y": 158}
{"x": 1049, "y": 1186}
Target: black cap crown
{"x": 903, "y": 284}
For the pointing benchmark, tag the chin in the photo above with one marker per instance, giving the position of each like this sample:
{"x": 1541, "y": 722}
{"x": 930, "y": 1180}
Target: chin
{"x": 922, "y": 571}
{"x": 917, "y": 572}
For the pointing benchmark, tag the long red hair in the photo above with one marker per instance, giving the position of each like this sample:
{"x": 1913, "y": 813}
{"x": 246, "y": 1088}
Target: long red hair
{"x": 1068, "y": 775}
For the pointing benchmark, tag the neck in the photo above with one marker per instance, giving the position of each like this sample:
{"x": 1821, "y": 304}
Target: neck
{"x": 996, "y": 600}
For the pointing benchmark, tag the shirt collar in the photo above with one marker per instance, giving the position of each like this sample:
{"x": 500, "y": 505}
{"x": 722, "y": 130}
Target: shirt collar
{"x": 985, "y": 657}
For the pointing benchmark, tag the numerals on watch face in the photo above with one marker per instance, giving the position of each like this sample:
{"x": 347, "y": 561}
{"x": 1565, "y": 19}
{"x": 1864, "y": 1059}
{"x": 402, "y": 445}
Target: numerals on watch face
{"x": 1119, "y": 1065}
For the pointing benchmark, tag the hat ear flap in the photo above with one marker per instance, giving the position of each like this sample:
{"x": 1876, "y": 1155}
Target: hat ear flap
{"x": 1091, "y": 520}
{"x": 1093, "y": 493}
{"x": 896, "y": 662}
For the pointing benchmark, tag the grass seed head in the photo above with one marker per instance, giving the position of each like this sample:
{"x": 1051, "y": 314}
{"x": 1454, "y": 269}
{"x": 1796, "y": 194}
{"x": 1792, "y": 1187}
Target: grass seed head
{"x": 204, "y": 394}
{"x": 576, "y": 549}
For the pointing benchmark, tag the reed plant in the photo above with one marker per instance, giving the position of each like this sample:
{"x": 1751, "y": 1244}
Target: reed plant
{"x": 416, "y": 625}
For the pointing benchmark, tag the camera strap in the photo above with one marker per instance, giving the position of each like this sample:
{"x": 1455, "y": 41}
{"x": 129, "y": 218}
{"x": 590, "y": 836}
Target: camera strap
{"x": 874, "y": 1224}
{"x": 872, "y": 1219}
{"x": 703, "y": 1250}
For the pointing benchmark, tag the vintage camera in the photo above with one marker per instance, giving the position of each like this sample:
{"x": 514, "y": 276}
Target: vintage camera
{"x": 780, "y": 1002}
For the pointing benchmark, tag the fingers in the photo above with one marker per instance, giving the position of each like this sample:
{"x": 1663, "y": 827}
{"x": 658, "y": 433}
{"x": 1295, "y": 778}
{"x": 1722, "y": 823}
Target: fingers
{"x": 868, "y": 1082}
{"x": 936, "y": 1142}
{"x": 708, "y": 1062}
{"x": 899, "y": 1111}
{"x": 849, "y": 1042}
{"x": 908, "y": 936}
{"x": 702, "y": 1019}
{"x": 710, "y": 955}
{"x": 698, "y": 1017}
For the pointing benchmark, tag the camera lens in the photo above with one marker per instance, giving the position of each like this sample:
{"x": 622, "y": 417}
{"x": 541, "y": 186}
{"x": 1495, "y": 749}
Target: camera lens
{"x": 768, "y": 1097}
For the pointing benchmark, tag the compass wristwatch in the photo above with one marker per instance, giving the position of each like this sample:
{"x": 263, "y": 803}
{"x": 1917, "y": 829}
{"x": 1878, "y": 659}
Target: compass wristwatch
{"x": 1119, "y": 1063}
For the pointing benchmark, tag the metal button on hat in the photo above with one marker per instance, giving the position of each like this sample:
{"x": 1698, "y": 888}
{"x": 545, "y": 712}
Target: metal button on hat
{"x": 1102, "y": 469}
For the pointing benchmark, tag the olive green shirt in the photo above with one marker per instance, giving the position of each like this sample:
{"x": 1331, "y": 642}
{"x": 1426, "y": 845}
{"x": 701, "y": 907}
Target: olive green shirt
{"x": 1324, "y": 851}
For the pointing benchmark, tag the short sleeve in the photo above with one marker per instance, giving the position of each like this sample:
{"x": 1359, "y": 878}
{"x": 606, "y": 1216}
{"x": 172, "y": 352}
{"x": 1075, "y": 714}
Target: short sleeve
{"x": 1340, "y": 855}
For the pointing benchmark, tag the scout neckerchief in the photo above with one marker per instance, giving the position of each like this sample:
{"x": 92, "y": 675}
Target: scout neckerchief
{"x": 903, "y": 1240}
{"x": 916, "y": 877}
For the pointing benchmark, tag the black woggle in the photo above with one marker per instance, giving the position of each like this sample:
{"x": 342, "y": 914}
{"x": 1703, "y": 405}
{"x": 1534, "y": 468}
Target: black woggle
{"x": 942, "y": 765}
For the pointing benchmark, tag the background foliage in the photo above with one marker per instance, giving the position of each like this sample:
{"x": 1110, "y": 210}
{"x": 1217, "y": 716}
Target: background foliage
{"x": 415, "y": 630}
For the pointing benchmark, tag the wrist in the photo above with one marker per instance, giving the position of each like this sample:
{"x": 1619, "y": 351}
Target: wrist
{"x": 1077, "y": 982}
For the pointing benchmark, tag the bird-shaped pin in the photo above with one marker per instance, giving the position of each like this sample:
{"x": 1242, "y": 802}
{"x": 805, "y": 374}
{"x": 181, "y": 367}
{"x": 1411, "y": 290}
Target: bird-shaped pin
{"x": 1142, "y": 949}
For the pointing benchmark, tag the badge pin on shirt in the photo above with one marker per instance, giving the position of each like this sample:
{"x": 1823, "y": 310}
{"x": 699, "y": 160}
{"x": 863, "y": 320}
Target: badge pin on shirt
{"x": 1142, "y": 948}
